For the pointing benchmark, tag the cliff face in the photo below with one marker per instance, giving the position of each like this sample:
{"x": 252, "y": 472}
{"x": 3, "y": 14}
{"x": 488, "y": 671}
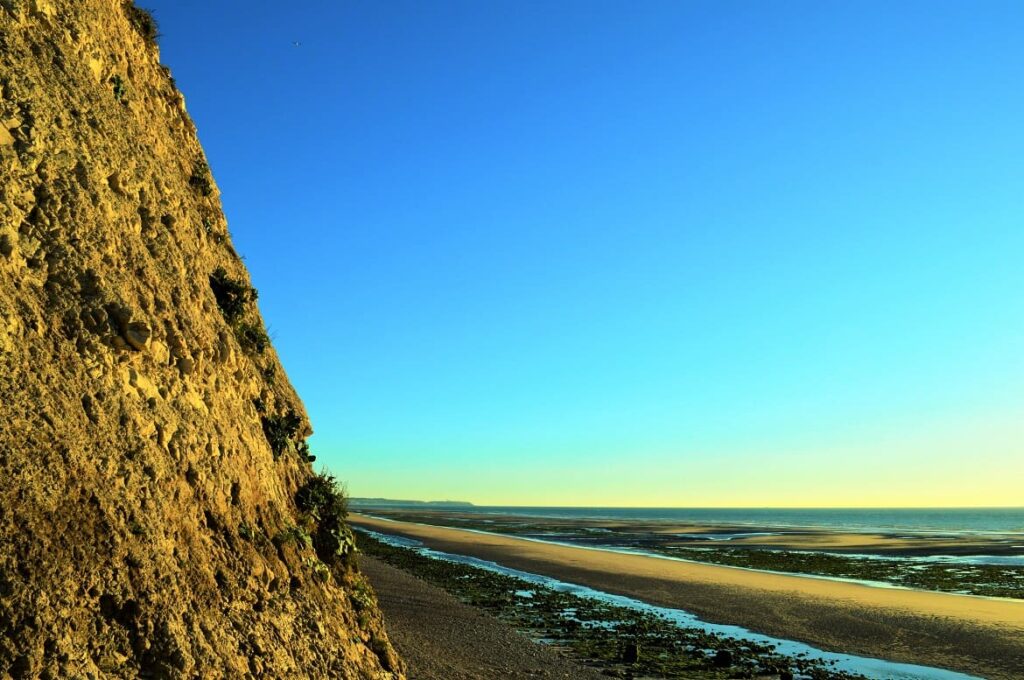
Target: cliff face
{"x": 151, "y": 447}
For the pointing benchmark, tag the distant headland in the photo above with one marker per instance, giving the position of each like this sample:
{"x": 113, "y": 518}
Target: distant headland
{"x": 392, "y": 503}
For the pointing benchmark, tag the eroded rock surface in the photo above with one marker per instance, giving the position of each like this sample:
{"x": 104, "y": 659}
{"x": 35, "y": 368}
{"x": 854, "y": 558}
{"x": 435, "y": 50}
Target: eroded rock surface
{"x": 144, "y": 514}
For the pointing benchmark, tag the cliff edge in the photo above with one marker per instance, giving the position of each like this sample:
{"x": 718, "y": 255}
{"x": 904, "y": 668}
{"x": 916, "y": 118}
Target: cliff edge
{"x": 158, "y": 513}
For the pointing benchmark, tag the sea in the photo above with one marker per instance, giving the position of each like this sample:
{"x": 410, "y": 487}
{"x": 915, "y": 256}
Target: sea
{"x": 890, "y": 520}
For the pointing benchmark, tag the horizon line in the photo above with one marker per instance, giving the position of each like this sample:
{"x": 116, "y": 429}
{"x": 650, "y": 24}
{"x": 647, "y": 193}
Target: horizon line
{"x": 706, "y": 507}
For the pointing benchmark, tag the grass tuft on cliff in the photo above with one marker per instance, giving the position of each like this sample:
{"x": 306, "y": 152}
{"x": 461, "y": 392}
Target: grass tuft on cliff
{"x": 324, "y": 502}
{"x": 142, "y": 21}
{"x": 281, "y": 430}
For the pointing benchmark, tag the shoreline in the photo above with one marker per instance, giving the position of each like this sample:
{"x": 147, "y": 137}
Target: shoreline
{"x": 593, "y": 515}
{"x": 671, "y": 558}
{"x": 879, "y": 541}
{"x": 984, "y": 567}
{"x": 962, "y": 633}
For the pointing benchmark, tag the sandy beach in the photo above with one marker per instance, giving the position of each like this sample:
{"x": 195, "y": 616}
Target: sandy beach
{"x": 981, "y": 636}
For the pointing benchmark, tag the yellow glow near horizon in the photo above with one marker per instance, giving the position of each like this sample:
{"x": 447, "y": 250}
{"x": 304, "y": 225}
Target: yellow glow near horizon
{"x": 973, "y": 463}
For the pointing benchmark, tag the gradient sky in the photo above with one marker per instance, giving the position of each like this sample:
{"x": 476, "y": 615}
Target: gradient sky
{"x": 618, "y": 253}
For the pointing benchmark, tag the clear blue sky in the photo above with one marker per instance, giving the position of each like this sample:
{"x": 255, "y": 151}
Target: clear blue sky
{"x": 657, "y": 253}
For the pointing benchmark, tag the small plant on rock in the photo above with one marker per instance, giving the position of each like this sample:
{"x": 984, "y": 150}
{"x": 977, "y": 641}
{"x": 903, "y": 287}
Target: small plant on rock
{"x": 252, "y": 338}
{"x": 233, "y": 297}
{"x": 201, "y": 179}
{"x": 280, "y": 430}
{"x": 322, "y": 496}
{"x": 142, "y": 21}
{"x": 323, "y": 500}
{"x": 321, "y": 570}
{"x": 294, "y": 535}
{"x": 302, "y": 448}
{"x": 361, "y": 593}
{"x": 232, "y": 294}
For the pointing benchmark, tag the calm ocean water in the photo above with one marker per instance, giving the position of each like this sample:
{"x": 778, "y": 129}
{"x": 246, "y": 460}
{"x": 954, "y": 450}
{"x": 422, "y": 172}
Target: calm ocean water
{"x": 945, "y": 520}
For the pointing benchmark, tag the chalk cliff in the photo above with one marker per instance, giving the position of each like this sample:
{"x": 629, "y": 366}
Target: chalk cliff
{"x": 151, "y": 447}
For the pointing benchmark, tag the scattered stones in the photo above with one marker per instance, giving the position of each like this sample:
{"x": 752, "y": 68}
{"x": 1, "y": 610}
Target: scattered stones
{"x": 114, "y": 182}
{"x": 159, "y": 351}
{"x": 41, "y": 8}
{"x": 186, "y": 366}
{"x": 137, "y": 335}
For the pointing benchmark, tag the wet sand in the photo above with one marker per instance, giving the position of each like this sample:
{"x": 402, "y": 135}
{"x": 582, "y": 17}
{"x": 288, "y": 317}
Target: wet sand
{"x": 441, "y": 638}
{"x": 974, "y": 635}
{"x": 735, "y": 535}
{"x": 905, "y": 544}
{"x": 880, "y": 544}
